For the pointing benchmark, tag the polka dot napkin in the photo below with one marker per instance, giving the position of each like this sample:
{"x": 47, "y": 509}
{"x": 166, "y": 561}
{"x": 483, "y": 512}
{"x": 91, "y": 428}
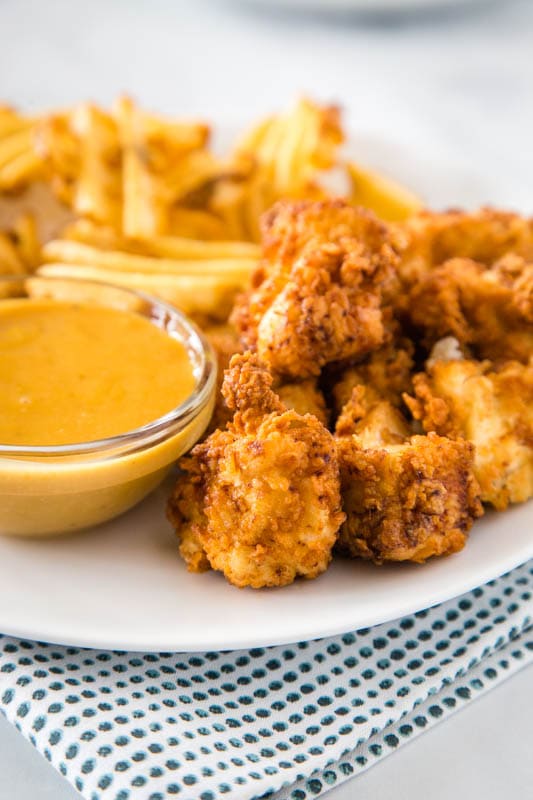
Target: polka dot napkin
{"x": 289, "y": 722}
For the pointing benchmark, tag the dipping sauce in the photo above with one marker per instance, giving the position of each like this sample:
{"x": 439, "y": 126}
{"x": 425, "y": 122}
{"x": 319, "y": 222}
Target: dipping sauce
{"x": 81, "y": 362}
{"x": 72, "y": 373}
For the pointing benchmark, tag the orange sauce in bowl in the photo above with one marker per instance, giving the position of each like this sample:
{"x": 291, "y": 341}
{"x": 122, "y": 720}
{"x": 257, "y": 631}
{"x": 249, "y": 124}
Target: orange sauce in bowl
{"x": 74, "y": 373}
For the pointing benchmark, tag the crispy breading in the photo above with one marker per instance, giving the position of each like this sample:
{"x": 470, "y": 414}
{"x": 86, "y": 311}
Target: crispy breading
{"x": 489, "y": 309}
{"x": 266, "y": 490}
{"x": 373, "y": 419}
{"x": 304, "y": 397}
{"x": 316, "y": 297}
{"x": 185, "y": 510}
{"x": 226, "y": 343}
{"x": 490, "y": 406}
{"x": 406, "y": 498}
{"x": 387, "y": 370}
{"x": 430, "y": 238}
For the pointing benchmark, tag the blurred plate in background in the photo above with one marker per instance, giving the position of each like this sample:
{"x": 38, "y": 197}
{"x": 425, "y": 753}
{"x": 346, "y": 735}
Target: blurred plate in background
{"x": 368, "y": 6}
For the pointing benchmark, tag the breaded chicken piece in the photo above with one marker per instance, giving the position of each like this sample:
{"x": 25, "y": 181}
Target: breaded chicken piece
{"x": 304, "y": 397}
{"x": 486, "y": 236}
{"x": 406, "y": 497}
{"x": 260, "y": 499}
{"x": 488, "y": 309}
{"x": 387, "y": 370}
{"x": 226, "y": 343}
{"x": 185, "y": 511}
{"x": 490, "y": 406}
{"x": 316, "y": 297}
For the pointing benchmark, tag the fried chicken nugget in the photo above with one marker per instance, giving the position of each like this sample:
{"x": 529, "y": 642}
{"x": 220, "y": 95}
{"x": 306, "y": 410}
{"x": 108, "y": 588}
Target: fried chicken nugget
{"x": 226, "y": 343}
{"x": 490, "y": 406}
{"x": 316, "y": 297}
{"x": 387, "y": 370}
{"x": 486, "y": 236}
{"x": 304, "y": 397}
{"x": 406, "y": 497}
{"x": 489, "y": 309}
{"x": 261, "y": 499}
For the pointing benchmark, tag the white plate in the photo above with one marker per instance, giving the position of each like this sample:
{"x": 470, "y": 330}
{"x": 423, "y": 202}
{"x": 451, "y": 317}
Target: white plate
{"x": 123, "y": 585}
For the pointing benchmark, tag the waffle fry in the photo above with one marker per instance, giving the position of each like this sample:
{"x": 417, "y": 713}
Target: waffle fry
{"x": 283, "y": 156}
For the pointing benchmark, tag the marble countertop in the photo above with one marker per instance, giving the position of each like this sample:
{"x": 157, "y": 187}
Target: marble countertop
{"x": 453, "y": 86}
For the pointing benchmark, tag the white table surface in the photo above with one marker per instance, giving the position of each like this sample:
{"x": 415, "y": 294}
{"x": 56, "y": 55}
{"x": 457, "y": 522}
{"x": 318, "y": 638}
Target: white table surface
{"x": 455, "y": 85}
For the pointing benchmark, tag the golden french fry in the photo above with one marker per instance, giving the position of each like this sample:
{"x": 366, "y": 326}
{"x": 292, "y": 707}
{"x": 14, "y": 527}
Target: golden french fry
{"x": 11, "y": 122}
{"x": 186, "y": 224}
{"x": 83, "y": 291}
{"x": 259, "y": 199}
{"x": 57, "y": 146}
{"x": 183, "y": 135}
{"x": 87, "y": 231}
{"x": 197, "y": 224}
{"x": 251, "y": 140}
{"x": 10, "y": 260}
{"x": 162, "y": 163}
{"x": 199, "y": 294}
{"x": 27, "y": 241}
{"x": 176, "y": 247}
{"x": 236, "y": 270}
{"x": 290, "y": 164}
{"x": 290, "y": 149}
{"x": 182, "y": 248}
{"x": 98, "y": 192}
{"x": 387, "y": 198}
{"x": 285, "y": 156}
{"x": 15, "y": 144}
{"x": 228, "y": 203}
{"x": 329, "y": 135}
{"x": 22, "y": 169}
{"x": 192, "y": 172}
{"x": 144, "y": 210}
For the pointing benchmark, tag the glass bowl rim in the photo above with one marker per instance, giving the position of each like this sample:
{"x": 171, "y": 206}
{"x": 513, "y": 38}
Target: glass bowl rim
{"x": 153, "y": 432}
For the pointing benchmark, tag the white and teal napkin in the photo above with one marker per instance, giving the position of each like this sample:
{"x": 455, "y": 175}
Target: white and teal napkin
{"x": 289, "y": 722}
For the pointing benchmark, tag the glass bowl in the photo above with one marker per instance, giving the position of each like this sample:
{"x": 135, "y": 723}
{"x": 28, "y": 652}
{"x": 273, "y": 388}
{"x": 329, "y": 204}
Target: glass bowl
{"x": 58, "y": 489}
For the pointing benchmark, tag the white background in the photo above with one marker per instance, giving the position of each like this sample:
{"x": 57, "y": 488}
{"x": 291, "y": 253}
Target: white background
{"x": 457, "y": 84}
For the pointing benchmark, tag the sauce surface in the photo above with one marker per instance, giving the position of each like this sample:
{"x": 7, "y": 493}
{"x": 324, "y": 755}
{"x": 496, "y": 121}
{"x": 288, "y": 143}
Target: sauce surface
{"x": 72, "y": 373}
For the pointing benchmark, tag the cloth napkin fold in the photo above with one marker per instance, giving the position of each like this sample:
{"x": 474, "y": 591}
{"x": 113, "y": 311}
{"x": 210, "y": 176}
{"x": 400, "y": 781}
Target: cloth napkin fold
{"x": 288, "y": 722}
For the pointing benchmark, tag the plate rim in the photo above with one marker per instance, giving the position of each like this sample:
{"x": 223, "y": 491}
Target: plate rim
{"x": 460, "y": 587}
